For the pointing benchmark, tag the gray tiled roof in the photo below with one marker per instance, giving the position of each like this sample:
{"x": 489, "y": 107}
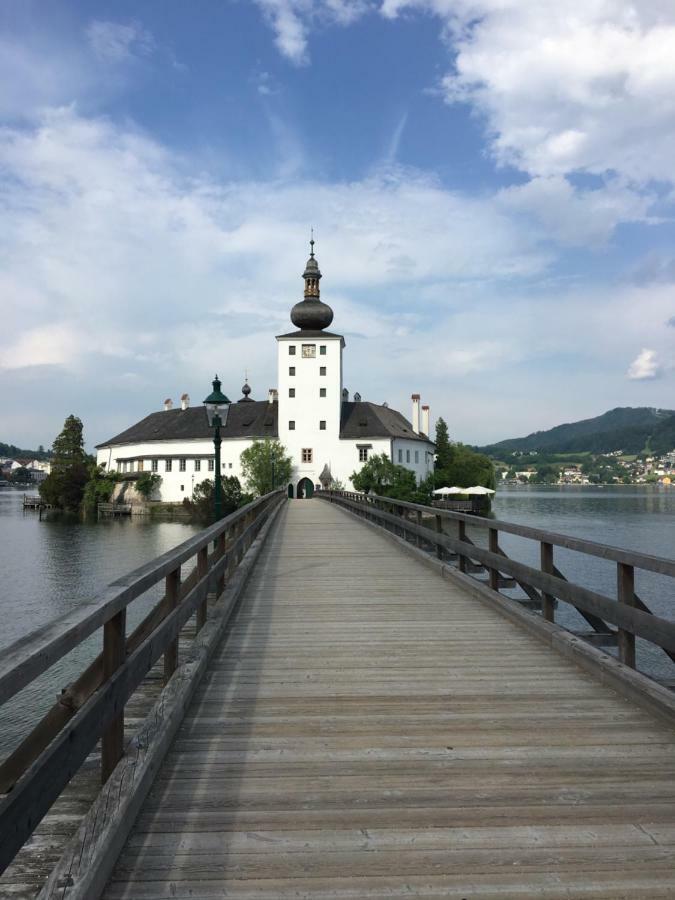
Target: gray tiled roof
{"x": 369, "y": 420}
{"x": 257, "y": 419}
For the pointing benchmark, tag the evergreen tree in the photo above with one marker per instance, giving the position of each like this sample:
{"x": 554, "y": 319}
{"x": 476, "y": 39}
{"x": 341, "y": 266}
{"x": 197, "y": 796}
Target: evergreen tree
{"x": 265, "y": 465}
{"x": 444, "y": 449}
{"x": 64, "y": 486}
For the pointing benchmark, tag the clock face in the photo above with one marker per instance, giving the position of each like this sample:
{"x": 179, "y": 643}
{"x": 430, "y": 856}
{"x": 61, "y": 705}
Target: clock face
{"x": 308, "y": 351}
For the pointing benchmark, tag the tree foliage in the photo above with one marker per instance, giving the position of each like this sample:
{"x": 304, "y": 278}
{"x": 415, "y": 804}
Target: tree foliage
{"x": 265, "y": 466}
{"x": 443, "y": 445}
{"x": 458, "y": 465}
{"x": 202, "y": 505}
{"x": 147, "y": 483}
{"x": 64, "y": 487}
{"x": 20, "y": 476}
{"x": 381, "y": 476}
{"x": 99, "y": 487}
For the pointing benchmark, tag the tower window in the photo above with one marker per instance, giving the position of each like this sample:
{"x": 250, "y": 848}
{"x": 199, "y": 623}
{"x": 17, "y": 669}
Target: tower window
{"x": 322, "y": 349}
{"x": 291, "y": 425}
{"x": 307, "y": 455}
{"x": 291, "y": 392}
{"x": 322, "y": 370}
{"x": 322, "y": 392}
{"x": 154, "y": 465}
{"x": 363, "y": 454}
{"x": 291, "y": 349}
{"x": 212, "y": 465}
{"x": 198, "y": 465}
{"x": 322, "y": 425}
{"x": 308, "y": 351}
{"x": 291, "y": 370}
{"x": 181, "y": 465}
{"x": 167, "y": 465}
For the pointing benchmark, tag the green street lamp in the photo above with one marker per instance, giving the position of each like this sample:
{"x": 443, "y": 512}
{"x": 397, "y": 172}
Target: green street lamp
{"x": 217, "y": 407}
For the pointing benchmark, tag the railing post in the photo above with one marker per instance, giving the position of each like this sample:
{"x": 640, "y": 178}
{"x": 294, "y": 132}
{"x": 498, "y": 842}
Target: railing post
{"x": 220, "y": 581}
{"x": 625, "y": 588}
{"x": 493, "y": 547}
{"x": 171, "y": 653}
{"x": 461, "y": 535}
{"x": 439, "y": 530}
{"x": 419, "y": 524}
{"x": 548, "y": 601}
{"x": 114, "y": 654}
{"x": 202, "y": 569}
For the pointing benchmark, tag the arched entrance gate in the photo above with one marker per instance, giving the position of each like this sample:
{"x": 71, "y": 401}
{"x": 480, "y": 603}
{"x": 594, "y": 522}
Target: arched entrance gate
{"x": 305, "y": 489}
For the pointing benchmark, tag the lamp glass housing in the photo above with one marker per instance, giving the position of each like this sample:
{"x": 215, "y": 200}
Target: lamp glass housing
{"x": 217, "y": 404}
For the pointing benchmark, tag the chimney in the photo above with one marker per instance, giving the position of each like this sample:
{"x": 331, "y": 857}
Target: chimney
{"x": 184, "y": 401}
{"x": 168, "y": 404}
{"x": 416, "y": 413}
{"x": 425, "y": 420}
{"x": 272, "y": 395}
{"x": 345, "y": 395}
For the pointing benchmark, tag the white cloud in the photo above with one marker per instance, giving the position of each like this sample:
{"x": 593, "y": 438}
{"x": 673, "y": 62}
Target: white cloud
{"x": 291, "y": 21}
{"x": 586, "y": 85}
{"x": 117, "y": 42}
{"x": 645, "y": 366}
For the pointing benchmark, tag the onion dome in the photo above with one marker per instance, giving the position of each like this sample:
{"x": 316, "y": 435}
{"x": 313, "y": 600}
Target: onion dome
{"x": 246, "y": 390}
{"x": 311, "y": 314}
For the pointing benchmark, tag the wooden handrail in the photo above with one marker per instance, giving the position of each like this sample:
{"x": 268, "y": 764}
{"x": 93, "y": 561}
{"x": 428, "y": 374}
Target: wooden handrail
{"x": 38, "y": 770}
{"x": 631, "y": 616}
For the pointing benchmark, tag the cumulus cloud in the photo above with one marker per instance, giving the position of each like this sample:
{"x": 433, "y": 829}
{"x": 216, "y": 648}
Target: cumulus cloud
{"x": 645, "y": 366}
{"x": 117, "y": 42}
{"x": 291, "y": 21}
{"x": 588, "y": 85}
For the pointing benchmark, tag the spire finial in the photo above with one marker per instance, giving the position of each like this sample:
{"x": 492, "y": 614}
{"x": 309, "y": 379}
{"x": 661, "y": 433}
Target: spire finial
{"x": 311, "y": 243}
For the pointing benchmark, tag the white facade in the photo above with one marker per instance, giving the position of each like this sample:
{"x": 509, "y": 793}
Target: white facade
{"x": 315, "y": 421}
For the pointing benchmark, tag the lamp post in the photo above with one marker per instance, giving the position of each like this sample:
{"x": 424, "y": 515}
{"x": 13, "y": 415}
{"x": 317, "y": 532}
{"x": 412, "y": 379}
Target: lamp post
{"x": 217, "y": 407}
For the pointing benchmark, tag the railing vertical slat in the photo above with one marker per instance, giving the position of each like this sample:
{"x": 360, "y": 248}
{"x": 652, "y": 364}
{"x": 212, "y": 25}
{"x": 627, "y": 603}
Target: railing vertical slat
{"x": 220, "y": 582}
{"x": 625, "y": 584}
{"x": 172, "y": 593}
{"x": 546, "y": 559}
{"x": 461, "y": 535}
{"x": 114, "y": 654}
{"x": 493, "y": 547}
{"x": 439, "y": 530}
{"x": 202, "y": 569}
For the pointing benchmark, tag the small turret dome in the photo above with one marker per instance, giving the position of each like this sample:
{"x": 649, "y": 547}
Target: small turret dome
{"x": 312, "y": 314}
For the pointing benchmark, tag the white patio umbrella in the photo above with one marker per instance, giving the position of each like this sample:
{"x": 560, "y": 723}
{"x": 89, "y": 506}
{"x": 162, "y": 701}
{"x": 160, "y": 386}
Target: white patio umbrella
{"x": 478, "y": 489}
{"x": 449, "y": 490}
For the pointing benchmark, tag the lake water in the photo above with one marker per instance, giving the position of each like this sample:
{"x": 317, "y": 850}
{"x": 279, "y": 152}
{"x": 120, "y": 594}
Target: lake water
{"x": 50, "y": 566}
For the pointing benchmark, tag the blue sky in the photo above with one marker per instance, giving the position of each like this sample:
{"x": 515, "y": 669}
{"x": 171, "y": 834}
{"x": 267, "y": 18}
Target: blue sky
{"x": 491, "y": 183}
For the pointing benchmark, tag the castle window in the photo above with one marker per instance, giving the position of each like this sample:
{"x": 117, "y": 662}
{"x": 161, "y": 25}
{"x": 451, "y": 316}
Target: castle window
{"x": 291, "y": 392}
{"x": 291, "y": 349}
{"x": 400, "y": 456}
{"x": 167, "y": 465}
{"x": 198, "y": 465}
{"x": 307, "y": 455}
{"x": 407, "y": 455}
{"x": 363, "y": 454}
{"x": 154, "y": 465}
{"x": 322, "y": 425}
{"x": 140, "y": 465}
{"x": 322, "y": 350}
{"x": 291, "y": 425}
{"x": 322, "y": 370}
{"x": 212, "y": 465}
{"x": 291, "y": 370}
{"x": 308, "y": 351}
{"x": 182, "y": 464}
{"x": 417, "y": 456}
{"x": 322, "y": 392}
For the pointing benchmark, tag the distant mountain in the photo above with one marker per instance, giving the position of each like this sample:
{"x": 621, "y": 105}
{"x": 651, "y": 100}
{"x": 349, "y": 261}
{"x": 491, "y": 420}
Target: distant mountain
{"x": 624, "y": 428}
{"x": 13, "y": 452}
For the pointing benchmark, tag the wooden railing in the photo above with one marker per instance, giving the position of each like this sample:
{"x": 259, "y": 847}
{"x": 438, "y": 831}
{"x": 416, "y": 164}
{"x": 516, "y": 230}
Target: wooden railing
{"x": 92, "y": 708}
{"x": 427, "y": 527}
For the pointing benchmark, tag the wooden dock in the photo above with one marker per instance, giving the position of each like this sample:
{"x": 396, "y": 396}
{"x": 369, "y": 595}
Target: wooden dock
{"x": 369, "y": 730}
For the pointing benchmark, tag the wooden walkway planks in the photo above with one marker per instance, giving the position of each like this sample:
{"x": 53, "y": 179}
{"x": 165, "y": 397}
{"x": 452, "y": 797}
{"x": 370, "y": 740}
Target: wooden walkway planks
{"x": 367, "y": 730}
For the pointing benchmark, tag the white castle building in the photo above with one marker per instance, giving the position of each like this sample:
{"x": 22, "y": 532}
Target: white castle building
{"x": 327, "y": 435}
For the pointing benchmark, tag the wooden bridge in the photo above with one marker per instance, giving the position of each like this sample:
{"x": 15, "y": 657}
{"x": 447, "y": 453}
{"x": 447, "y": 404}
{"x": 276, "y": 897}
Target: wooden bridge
{"x": 338, "y": 701}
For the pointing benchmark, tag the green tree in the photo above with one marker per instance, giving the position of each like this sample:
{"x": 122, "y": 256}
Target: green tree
{"x": 465, "y": 469}
{"x": 98, "y": 488}
{"x": 147, "y": 483}
{"x": 201, "y": 506}
{"x": 381, "y": 476}
{"x": 444, "y": 449}
{"x": 64, "y": 487}
{"x": 20, "y": 476}
{"x": 265, "y": 464}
